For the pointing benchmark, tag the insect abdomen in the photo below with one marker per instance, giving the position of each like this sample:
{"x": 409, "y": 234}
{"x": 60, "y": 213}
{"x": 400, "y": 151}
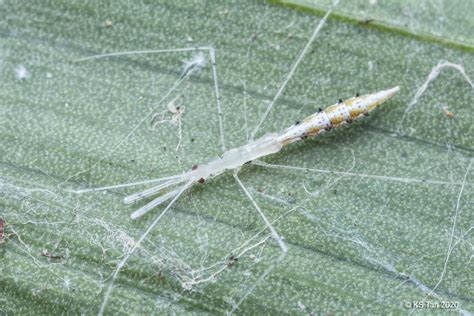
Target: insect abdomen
{"x": 335, "y": 115}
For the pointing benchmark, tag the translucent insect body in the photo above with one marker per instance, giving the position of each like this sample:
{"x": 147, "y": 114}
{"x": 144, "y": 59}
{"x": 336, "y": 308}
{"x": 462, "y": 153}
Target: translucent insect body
{"x": 172, "y": 187}
{"x": 336, "y": 115}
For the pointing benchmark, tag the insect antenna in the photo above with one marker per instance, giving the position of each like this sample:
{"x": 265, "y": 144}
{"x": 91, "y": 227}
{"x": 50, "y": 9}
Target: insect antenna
{"x": 156, "y": 202}
{"x": 125, "y": 185}
{"x": 151, "y": 191}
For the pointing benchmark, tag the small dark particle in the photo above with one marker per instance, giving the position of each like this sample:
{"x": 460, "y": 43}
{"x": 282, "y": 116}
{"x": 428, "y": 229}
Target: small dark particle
{"x": 320, "y": 110}
{"x": 192, "y": 140}
{"x": 47, "y": 254}
{"x": 133, "y": 160}
{"x": 349, "y": 121}
{"x": 366, "y": 114}
{"x": 259, "y": 190}
{"x": 340, "y": 100}
{"x": 297, "y": 122}
{"x": 202, "y": 180}
{"x": 329, "y": 128}
{"x": 404, "y": 276}
{"x": 232, "y": 259}
{"x": 304, "y": 136}
{"x": 367, "y": 21}
{"x": 357, "y": 94}
{"x": 164, "y": 148}
{"x": 248, "y": 162}
{"x": 194, "y": 167}
{"x": 159, "y": 276}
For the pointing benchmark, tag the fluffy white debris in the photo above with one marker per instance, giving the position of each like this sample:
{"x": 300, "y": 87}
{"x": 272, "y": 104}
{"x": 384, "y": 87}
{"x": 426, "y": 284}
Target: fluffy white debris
{"x": 21, "y": 73}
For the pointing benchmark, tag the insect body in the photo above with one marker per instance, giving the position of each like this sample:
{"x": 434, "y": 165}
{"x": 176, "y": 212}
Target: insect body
{"x": 336, "y": 115}
{"x": 172, "y": 187}
{"x": 271, "y": 143}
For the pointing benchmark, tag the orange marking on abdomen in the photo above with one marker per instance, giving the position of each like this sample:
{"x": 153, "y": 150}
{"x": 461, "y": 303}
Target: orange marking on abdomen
{"x": 337, "y": 113}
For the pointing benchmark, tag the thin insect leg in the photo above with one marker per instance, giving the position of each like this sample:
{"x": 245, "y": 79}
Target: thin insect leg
{"x": 137, "y": 244}
{"x": 212, "y": 55}
{"x": 180, "y": 134}
{"x": 292, "y": 71}
{"x": 275, "y": 235}
{"x": 282, "y": 256}
{"x": 143, "y": 52}
{"x": 246, "y": 127}
{"x": 176, "y": 84}
{"x": 125, "y": 185}
{"x": 151, "y": 205}
{"x": 453, "y": 227}
{"x": 259, "y": 280}
{"x": 151, "y": 191}
{"x": 360, "y": 175}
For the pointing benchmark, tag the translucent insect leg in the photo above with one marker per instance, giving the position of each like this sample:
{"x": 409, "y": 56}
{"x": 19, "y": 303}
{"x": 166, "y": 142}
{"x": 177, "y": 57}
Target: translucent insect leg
{"x": 151, "y": 191}
{"x": 143, "y": 52}
{"x": 359, "y": 175}
{"x": 212, "y": 55}
{"x": 125, "y": 185}
{"x": 244, "y": 88}
{"x": 275, "y": 235}
{"x": 122, "y": 263}
{"x": 176, "y": 84}
{"x": 159, "y": 200}
{"x": 293, "y": 69}
{"x": 181, "y": 79}
{"x": 259, "y": 280}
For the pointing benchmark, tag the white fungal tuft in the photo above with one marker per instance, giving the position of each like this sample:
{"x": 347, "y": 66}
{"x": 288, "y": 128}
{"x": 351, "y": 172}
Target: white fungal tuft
{"x": 21, "y": 73}
{"x": 194, "y": 64}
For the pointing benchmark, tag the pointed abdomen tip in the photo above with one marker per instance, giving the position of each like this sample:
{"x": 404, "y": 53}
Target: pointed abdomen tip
{"x": 394, "y": 90}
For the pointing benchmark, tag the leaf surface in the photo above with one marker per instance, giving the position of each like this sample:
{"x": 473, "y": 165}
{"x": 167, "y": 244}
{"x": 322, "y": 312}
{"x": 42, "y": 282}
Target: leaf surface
{"x": 382, "y": 216}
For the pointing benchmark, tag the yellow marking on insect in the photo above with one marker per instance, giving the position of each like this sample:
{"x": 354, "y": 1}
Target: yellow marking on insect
{"x": 448, "y": 113}
{"x": 336, "y": 115}
{"x": 313, "y": 131}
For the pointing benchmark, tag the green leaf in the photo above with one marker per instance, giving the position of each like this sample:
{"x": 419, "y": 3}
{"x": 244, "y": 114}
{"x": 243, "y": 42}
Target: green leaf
{"x": 383, "y": 218}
